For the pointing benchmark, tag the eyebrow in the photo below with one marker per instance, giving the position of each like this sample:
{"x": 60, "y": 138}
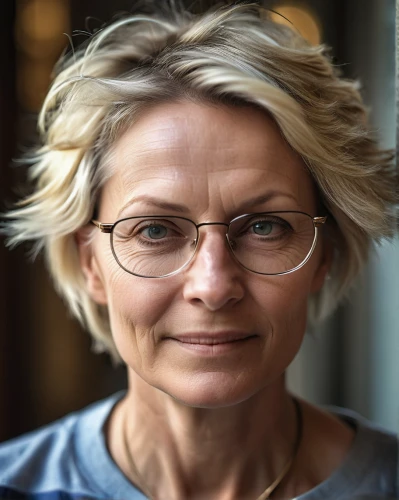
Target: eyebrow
{"x": 183, "y": 209}
{"x": 265, "y": 198}
{"x": 155, "y": 202}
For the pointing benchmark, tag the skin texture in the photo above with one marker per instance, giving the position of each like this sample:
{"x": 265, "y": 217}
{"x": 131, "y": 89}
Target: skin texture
{"x": 224, "y": 412}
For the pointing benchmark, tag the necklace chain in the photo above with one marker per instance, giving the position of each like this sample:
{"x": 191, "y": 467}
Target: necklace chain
{"x": 276, "y": 483}
{"x": 269, "y": 490}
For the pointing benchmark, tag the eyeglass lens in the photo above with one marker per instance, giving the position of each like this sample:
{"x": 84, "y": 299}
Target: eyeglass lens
{"x": 268, "y": 243}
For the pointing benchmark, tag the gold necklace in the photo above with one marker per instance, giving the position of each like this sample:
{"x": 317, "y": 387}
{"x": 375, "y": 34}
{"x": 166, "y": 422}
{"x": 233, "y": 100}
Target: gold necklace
{"x": 276, "y": 483}
{"x": 268, "y": 491}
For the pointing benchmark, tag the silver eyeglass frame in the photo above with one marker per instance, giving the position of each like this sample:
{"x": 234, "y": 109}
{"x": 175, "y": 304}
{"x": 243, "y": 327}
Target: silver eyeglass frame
{"x": 108, "y": 228}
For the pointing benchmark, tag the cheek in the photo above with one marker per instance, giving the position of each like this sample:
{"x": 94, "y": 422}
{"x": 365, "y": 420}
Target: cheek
{"x": 283, "y": 298}
{"x": 283, "y": 303}
{"x": 137, "y": 308}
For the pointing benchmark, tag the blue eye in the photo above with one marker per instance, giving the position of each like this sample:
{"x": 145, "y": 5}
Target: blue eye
{"x": 156, "y": 232}
{"x": 263, "y": 228}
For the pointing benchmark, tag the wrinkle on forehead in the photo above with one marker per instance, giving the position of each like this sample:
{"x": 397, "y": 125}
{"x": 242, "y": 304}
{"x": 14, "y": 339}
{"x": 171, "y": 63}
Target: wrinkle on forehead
{"x": 188, "y": 126}
{"x": 207, "y": 151}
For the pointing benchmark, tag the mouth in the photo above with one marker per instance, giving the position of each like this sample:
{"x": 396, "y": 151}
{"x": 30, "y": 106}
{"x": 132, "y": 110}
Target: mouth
{"x": 212, "y": 343}
{"x": 212, "y": 340}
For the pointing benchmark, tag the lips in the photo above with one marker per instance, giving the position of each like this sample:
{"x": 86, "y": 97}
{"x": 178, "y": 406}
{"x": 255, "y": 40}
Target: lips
{"x": 208, "y": 338}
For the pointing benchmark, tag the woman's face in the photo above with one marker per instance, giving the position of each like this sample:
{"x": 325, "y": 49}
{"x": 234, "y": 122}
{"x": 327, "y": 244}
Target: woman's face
{"x": 215, "y": 163}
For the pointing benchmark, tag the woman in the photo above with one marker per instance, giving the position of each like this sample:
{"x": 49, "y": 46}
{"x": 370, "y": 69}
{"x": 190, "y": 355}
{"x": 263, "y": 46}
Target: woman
{"x": 200, "y": 179}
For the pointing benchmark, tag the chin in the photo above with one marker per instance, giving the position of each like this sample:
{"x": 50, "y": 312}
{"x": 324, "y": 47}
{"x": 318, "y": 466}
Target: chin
{"x": 210, "y": 390}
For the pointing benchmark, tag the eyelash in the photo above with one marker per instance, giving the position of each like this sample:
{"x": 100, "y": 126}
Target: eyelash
{"x": 245, "y": 230}
{"x": 149, "y": 241}
{"x": 277, "y": 221}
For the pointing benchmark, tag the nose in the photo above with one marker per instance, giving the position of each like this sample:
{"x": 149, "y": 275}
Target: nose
{"x": 213, "y": 279}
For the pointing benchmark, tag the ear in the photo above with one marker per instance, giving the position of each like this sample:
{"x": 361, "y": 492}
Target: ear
{"x": 321, "y": 273}
{"x": 89, "y": 265}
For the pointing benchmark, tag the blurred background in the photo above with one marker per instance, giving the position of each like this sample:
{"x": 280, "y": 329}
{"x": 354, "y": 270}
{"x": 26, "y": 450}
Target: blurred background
{"x": 46, "y": 365}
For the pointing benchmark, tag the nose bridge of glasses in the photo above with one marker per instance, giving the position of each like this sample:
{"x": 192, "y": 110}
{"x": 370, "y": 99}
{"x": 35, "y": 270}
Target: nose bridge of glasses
{"x": 212, "y": 224}
{"x": 204, "y": 224}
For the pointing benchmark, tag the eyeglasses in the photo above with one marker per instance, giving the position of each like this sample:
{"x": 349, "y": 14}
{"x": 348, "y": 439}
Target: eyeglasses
{"x": 158, "y": 246}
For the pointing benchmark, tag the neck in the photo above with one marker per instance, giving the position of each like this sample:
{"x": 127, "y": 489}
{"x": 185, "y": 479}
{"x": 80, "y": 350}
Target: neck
{"x": 231, "y": 452}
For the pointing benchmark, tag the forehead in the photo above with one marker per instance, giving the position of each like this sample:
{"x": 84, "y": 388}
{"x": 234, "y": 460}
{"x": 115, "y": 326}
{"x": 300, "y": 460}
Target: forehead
{"x": 205, "y": 153}
{"x": 171, "y": 128}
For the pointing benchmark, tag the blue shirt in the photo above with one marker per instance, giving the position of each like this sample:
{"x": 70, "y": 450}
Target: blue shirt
{"x": 69, "y": 460}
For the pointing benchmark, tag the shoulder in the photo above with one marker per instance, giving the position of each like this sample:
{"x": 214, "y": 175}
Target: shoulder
{"x": 366, "y": 467}
{"x": 371, "y": 440}
{"x": 48, "y": 459}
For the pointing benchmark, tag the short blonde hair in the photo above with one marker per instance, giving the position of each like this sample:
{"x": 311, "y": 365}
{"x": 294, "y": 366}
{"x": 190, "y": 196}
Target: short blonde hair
{"x": 232, "y": 55}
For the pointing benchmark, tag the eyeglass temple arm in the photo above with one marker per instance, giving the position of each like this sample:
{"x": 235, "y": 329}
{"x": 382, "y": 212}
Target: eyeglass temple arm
{"x": 104, "y": 228}
{"x": 319, "y": 221}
